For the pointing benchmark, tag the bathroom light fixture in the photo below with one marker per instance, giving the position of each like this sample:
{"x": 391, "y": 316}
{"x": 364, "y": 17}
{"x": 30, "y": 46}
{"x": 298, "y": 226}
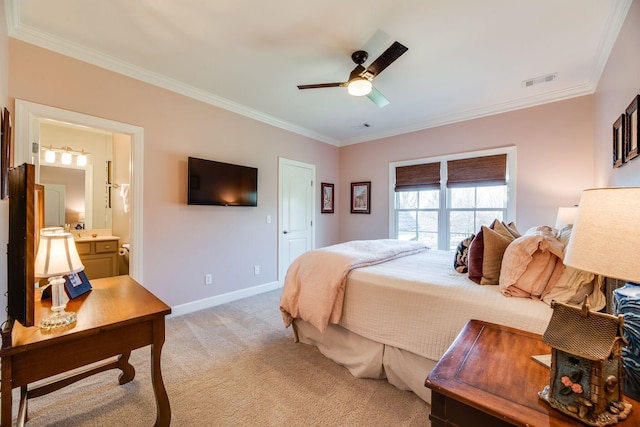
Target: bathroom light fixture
{"x": 81, "y": 160}
{"x": 66, "y": 155}
{"x": 66, "y": 158}
{"x": 50, "y": 156}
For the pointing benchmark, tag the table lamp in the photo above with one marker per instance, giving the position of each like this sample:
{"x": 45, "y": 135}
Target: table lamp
{"x": 57, "y": 256}
{"x": 566, "y": 216}
{"x": 605, "y": 240}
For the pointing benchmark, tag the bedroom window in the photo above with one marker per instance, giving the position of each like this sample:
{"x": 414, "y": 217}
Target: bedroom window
{"x": 417, "y": 189}
{"x": 417, "y": 216}
{"x": 472, "y": 207}
{"x": 443, "y": 200}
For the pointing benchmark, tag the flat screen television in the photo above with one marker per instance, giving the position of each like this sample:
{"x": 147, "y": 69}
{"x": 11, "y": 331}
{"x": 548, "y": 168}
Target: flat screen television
{"x": 221, "y": 184}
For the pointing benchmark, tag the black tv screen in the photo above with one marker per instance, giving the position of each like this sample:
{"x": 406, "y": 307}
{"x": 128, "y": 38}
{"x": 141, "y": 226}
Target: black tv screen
{"x": 221, "y": 184}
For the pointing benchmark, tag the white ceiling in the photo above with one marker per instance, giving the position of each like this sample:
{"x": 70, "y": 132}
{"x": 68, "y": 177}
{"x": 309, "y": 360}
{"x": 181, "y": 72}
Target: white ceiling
{"x": 466, "y": 58}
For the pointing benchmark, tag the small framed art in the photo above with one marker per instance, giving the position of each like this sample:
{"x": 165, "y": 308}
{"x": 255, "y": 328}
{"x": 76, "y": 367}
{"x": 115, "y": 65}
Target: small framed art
{"x": 76, "y": 284}
{"x": 361, "y": 197}
{"x": 327, "y": 196}
{"x": 631, "y": 119}
{"x": 619, "y": 141}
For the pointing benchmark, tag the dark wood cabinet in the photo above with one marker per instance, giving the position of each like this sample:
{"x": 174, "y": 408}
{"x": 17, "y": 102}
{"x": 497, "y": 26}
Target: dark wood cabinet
{"x": 487, "y": 378}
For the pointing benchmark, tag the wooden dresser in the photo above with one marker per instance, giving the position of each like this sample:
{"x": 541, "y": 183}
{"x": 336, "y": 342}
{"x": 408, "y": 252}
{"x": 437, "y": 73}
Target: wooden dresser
{"x": 488, "y": 379}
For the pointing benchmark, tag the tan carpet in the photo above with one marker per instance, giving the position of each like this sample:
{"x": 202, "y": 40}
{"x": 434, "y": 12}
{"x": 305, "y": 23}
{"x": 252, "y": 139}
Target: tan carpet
{"x": 233, "y": 365}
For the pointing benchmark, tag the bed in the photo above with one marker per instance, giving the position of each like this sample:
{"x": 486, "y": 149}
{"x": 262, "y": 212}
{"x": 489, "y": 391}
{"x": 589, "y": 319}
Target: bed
{"x": 394, "y": 315}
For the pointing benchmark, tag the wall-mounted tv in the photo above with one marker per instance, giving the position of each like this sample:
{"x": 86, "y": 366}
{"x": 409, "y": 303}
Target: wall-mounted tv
{"x": 221, "y": 184}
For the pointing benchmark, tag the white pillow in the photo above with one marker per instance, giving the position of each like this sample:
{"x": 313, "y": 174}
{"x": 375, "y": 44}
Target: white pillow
{"x": 574, "y": 284}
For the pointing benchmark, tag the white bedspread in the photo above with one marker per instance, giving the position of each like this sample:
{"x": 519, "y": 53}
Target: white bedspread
{"x": 420, "y": 303}
{"x": 315, "y": 282}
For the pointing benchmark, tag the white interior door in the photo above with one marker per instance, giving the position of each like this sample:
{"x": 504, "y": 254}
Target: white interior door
{"x": 296, "y": 212}
{"x": 54, "y": 196}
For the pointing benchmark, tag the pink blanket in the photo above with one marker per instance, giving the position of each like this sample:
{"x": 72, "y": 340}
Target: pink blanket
{"x": 315, "y": 282}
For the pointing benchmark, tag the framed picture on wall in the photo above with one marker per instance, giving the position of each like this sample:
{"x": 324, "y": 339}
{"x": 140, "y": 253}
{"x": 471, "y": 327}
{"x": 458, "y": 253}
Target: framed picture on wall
{"x": 631, "y": 120}
{"x": 361, "y": 197}
{"x": 619, "y": 141}
{"x": 327, "y": 196}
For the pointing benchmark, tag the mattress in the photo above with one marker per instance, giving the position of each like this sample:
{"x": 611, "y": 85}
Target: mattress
{"x": 419, "y": 303}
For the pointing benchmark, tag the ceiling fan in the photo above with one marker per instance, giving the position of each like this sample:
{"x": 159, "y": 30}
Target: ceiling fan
{"x": 359, "y": 83}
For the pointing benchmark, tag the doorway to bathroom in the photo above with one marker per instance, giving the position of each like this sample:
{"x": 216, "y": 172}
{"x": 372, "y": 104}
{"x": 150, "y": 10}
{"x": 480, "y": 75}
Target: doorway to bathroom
{"x": 117, "y": 178}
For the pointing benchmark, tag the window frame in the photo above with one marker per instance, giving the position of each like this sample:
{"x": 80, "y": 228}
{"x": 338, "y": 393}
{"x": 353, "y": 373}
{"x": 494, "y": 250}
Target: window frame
{"x": 443, "y": 220}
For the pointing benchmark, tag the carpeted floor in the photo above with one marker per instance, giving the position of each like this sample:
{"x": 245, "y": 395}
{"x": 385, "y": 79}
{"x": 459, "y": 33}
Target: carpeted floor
{"x": 233, "y": 365}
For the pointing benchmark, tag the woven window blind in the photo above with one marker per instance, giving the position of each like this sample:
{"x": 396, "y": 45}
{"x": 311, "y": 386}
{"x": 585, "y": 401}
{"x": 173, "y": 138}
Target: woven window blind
{"x": 418, "y": 177}
{"x": 477, "y": 171}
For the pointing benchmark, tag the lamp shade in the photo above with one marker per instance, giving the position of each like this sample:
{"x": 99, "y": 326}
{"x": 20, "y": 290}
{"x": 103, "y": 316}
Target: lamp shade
{"x": 605, "y": 239}
{"x": 57, "y": 255}
{"x": 566, "y": 216}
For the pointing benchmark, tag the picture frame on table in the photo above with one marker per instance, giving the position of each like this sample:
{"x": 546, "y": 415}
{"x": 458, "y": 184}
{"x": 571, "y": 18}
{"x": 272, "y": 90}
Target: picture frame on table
{"x": 5, "y": 153}
{"x": 619, "y": 141}
{"x": 361, "y": 197}
{"x": 326, "y": 197}
{"x": 76, "y": 284}
{"x": 631, "y": 121}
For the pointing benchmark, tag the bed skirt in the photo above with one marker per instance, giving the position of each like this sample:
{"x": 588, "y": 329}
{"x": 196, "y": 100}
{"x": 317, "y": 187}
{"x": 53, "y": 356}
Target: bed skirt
{"x": 366, "y": 358}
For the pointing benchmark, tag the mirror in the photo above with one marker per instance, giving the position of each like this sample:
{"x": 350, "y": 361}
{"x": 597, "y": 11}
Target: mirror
{"x": 75, "y": 194}
{"x": 68, "y": 197}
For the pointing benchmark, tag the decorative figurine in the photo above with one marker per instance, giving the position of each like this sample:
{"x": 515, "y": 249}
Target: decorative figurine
{"x": 585, "y": 378}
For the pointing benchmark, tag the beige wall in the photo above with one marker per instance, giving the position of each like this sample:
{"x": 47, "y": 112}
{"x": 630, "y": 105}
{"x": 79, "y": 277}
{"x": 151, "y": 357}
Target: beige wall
{"x": 181, "y": 242}
{"x": 619, "y": 83}
{"x": 554, "y": 161}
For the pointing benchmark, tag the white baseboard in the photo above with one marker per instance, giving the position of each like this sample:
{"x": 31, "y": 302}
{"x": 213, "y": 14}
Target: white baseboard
{"x": 190, "y": 307}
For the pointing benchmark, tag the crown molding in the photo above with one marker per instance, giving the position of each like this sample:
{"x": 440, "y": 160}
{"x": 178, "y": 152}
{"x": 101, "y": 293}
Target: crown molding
{"x": 478, "y": 113}
{"x": 28, "y": 34}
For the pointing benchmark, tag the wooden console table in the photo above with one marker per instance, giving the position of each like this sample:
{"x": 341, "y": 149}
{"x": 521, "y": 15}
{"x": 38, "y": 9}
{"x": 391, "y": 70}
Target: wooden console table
{"x": 117, "y": 316}
{"x": 488, "y": 379}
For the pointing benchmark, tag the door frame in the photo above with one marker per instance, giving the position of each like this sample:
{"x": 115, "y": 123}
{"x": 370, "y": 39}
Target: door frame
{"x": 282, "y": 161}
{"x": 28, "y": 112}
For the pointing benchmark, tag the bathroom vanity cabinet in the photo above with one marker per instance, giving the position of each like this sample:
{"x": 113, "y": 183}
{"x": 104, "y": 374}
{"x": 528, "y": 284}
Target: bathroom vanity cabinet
{"x": 99, "y": 256}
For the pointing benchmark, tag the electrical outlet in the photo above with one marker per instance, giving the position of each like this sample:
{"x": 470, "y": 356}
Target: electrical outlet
{"x": 256, "y": 269}
{"x": 208, "y": 279}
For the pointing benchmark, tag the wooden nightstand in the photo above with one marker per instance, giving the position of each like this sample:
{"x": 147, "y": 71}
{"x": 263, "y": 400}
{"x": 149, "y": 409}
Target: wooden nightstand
{"x": 488, "y": 379}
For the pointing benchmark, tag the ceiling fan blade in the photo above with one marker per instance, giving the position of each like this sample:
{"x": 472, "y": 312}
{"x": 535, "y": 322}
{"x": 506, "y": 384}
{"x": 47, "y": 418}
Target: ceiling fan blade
{"x": 321, "y": 85}
{"x": 388, "y": 56}
{"x": 378, "y": 98}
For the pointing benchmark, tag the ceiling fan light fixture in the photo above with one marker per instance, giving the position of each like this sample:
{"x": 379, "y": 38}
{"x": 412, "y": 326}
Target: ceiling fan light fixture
{"x": 359, "y": 87}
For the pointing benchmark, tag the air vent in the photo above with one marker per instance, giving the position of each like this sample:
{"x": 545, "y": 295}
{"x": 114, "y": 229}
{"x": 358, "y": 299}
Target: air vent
{"x": 539, "y": 80}
{"x": 362, "y": 126}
